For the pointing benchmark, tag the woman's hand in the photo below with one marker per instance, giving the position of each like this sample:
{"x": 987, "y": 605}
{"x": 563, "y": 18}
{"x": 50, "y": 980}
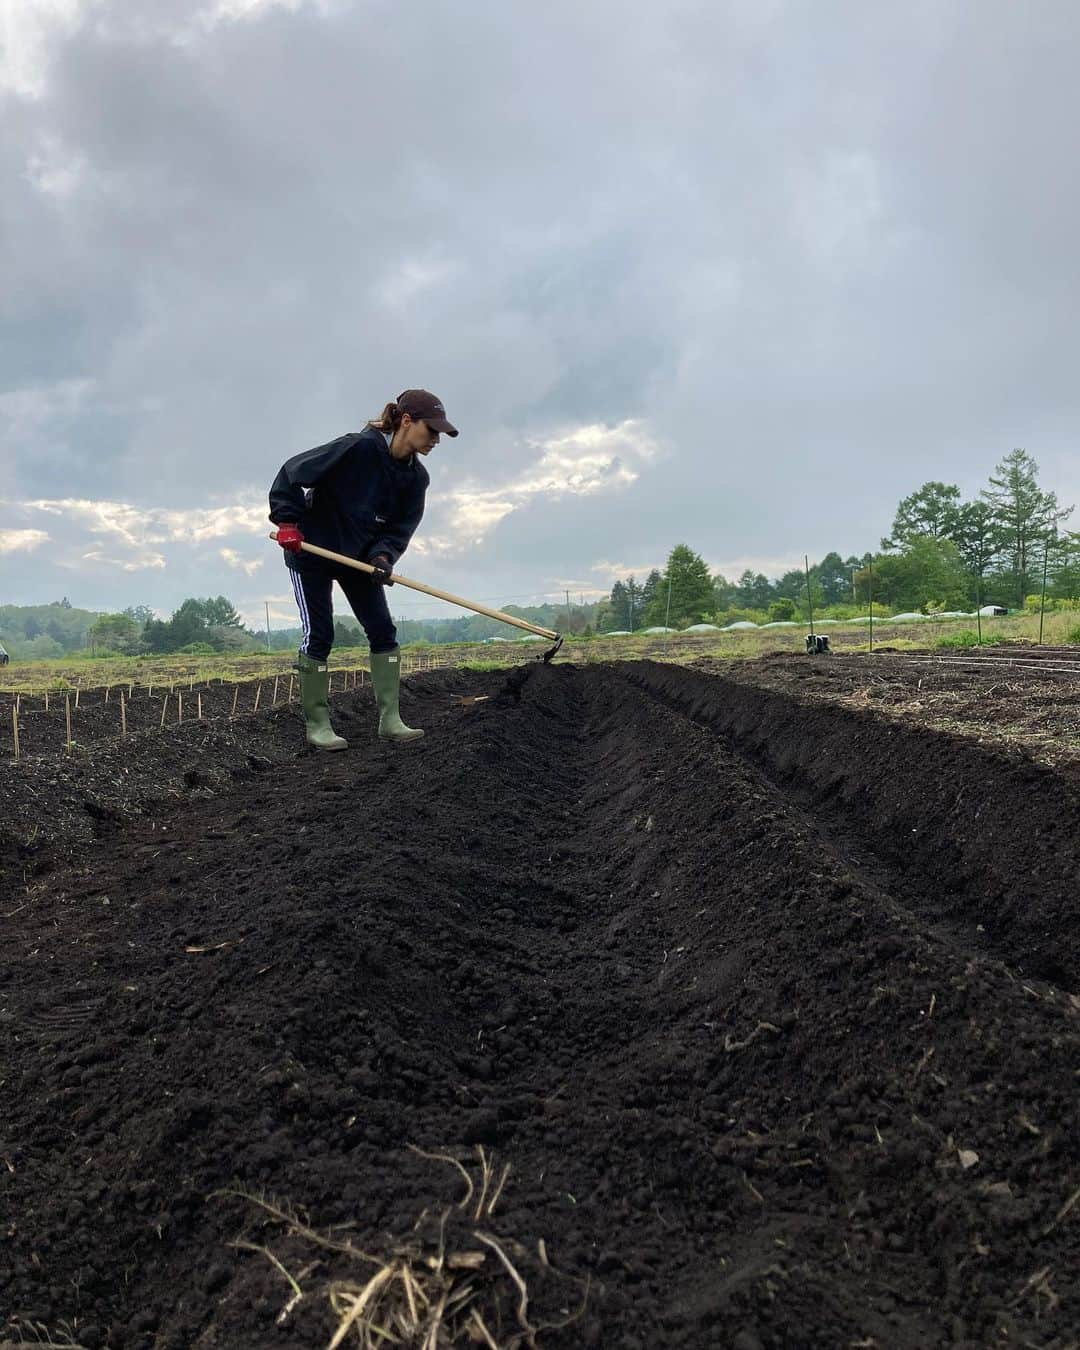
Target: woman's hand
{"x": 383, "y": 569}
{"x": 289, "y": 537}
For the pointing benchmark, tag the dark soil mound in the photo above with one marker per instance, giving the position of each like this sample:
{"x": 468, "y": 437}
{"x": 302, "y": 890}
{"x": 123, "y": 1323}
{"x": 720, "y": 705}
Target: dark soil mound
{"x": 751, "y": 1094}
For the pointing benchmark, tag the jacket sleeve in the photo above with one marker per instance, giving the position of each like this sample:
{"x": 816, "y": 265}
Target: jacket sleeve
{"x": 396, "y": 534}
{"x": 302, "y": 471}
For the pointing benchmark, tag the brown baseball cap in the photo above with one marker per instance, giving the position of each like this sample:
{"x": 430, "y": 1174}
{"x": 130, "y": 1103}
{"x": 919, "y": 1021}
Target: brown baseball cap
{"x": 425, "y": 407}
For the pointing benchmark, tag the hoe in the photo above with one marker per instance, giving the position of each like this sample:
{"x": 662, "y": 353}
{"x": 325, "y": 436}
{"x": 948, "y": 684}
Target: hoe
{"x": 341, "y": 559}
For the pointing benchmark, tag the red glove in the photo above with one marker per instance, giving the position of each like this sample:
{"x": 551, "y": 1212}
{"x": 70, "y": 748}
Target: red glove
{"x": 383, "y": 569}
{"x": 289, "y": 537}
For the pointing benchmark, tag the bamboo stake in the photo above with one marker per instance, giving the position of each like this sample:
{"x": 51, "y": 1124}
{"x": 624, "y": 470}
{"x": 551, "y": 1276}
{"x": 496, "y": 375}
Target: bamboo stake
{"x": 106, "y": 693}
{"x": 978, "y": 607}
{"x": 236, "y": 695}
{"x": 179, "y": 706}
{"x": 15, "y": 728}
{"x": 274, "y": 699}
{"x": 77, "y": 691}
{"x": 290, "y": 688}
{"x": 150, "y": 691}
{"x": 164, "y": 709}
{"x": 199, "y": 706}
{"x": 46, "y": 700}
{"x": 123, "y": 717}
{"x": 871, "y": 569}
{"x": 258, "y": 694}
{"x": 67, "y": 721}
{"x": 809, "y": 594}
{"x": 1042, "y": 599}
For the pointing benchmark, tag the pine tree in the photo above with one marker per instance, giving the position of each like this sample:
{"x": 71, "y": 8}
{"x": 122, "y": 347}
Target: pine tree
{"x": 619, "y": 614}
{"x": 978, "y": 537}
{"x": 1025, "y": 515}
{"x": 687, "y": 579}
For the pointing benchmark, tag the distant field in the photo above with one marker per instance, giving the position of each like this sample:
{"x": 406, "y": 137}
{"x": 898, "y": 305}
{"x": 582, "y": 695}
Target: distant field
{"x": 173, "y": 671}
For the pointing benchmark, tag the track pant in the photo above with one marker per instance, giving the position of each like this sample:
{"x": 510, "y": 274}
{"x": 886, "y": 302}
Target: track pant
{"x": 313, "y": 584}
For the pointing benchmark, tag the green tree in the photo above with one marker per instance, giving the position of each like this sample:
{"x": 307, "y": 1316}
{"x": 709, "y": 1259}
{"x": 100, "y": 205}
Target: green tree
{"x": 930, "y": 510}
{"x": 211, "y": 621}
{"x": 42, "y": 648}
{"x": 782, "y": 610}
{"x": 834, "y": 577}
{"x": 792, "y": 585}
{"x": 978, "y": 537}
{"x": 723, "y": 593}
{"x": 635, "y": 605}
{"x": 691, "y": 589}
{"x": 654, "y": 582}
{"x": 753, "y": 590}
{"x": 117, "y": 633}
{"x": 1022, "y": 513}
{"x": 928, "y": 572}
{"x": 618, "y": 615}
{"x": 1066, "y": 585}
{"x": 220, "y": 613}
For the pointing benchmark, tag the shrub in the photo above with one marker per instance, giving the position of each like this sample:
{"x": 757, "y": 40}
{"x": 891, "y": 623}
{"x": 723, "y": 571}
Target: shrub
{"x": 782, "y": 610}
{"x": 966, "y": 638}
{"x": 1073, "y": 635}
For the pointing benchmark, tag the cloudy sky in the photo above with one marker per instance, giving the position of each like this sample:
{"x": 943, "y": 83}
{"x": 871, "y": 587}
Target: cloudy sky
{"x": 738, "y": 274}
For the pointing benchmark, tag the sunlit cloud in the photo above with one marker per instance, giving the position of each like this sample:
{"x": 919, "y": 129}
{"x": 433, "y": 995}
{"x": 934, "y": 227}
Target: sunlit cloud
{"x": 249, "y": 566}
{"x": 137, "y": 526}
{"x": 141, "y": 562}
{"x": 622, "y": 570}
{"x": 590, "y": 460}
{"x": 12, "y": 541}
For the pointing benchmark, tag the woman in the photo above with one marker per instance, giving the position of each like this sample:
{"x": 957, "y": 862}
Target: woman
{"x": 362, "y": 495}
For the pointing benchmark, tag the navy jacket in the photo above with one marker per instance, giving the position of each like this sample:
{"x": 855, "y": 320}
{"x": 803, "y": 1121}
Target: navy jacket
{"x": 351, "y": 496}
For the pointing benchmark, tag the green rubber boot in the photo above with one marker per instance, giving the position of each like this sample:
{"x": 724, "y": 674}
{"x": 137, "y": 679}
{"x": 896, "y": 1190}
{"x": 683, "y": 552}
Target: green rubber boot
{"x": 386, "y": 681}
{"x": 314, "y": 687}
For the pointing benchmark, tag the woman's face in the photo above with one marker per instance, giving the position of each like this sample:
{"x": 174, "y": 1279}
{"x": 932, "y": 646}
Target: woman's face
{"x": 417, "y": 438}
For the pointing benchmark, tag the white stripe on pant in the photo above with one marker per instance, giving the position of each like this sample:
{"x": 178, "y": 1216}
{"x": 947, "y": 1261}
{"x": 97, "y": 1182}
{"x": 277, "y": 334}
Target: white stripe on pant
{"x": 305, "y": 619}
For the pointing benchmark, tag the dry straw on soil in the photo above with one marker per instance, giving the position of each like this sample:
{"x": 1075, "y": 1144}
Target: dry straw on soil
{"x": 449, "y": 1282}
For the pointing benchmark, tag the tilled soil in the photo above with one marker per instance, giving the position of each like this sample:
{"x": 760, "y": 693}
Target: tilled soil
{"x": 1012, "y": 696}
{"x": 770, "y": 1004}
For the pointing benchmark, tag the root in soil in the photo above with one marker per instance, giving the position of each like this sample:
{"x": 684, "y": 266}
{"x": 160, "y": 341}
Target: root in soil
{"x": 447, "y": 1282}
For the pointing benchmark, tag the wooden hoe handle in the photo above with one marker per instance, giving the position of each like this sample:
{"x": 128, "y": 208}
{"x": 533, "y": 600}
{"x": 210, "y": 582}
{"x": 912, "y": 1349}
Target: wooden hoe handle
{"x": 341, "y": 559}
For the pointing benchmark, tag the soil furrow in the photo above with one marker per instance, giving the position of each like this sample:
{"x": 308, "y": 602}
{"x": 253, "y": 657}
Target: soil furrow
{"x": 746, "y": 1096}
{"x": 987, "y": 843}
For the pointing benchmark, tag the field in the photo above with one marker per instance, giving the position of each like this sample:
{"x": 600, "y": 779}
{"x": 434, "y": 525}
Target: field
{"x": 640, "y": 1004}
{"x": 172, "y": 672}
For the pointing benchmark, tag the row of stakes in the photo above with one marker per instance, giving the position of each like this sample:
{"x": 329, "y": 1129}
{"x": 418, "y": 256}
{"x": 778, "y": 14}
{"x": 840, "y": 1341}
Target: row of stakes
{"x": 350, "y": 679}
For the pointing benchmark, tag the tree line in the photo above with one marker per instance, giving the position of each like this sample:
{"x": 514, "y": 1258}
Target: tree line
{"x": 39, "y": 632}
{"x": 943, "y": 553}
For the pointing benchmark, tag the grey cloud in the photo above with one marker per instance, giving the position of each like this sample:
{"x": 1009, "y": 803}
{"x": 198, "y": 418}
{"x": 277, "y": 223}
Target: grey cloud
{"x": 824, "y": 252}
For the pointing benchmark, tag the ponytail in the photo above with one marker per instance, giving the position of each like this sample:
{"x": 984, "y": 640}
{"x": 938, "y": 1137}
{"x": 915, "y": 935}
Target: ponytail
{"x": 388, "y": 420}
